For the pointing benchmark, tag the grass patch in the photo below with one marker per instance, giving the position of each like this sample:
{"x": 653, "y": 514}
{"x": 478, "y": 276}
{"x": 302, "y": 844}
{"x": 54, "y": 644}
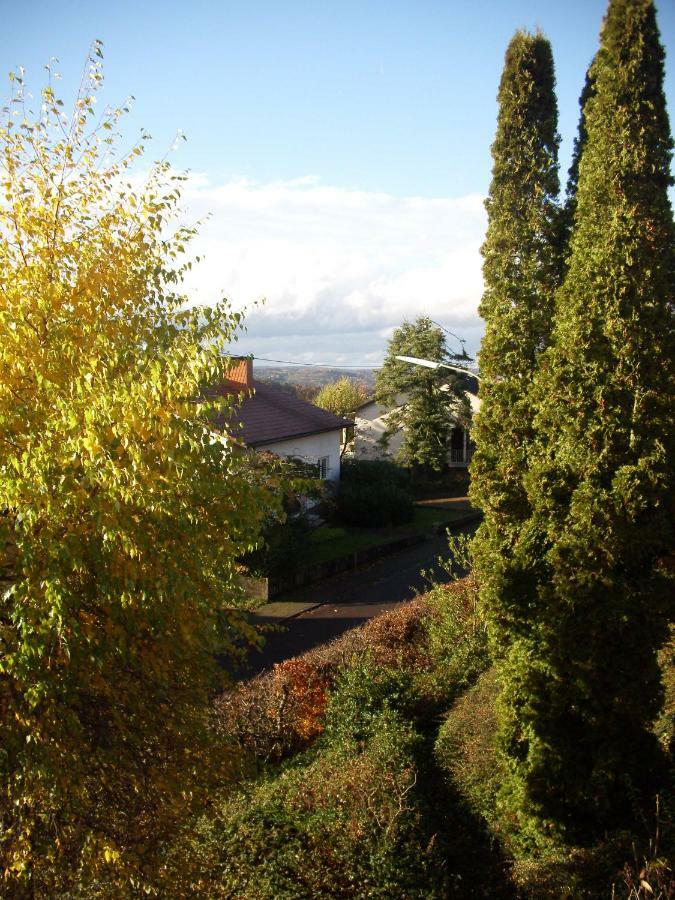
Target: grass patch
{"x": 329, "y": 543}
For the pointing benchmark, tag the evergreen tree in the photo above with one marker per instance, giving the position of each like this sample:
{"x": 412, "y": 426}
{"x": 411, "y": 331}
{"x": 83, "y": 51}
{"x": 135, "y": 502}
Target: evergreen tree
{"x": 426, "y": 403}
{"x": 582, "y": 683}
{"x": 579, "y": 144}
{"x": 521, "y": 273}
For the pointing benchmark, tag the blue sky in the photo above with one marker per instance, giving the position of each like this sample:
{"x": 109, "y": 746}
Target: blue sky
{"x": 343, "y": 148}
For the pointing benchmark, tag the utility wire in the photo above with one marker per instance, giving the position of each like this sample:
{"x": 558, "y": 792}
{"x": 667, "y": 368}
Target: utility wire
{"x": 290, "y": 362}
{"x": 462, "y": 341}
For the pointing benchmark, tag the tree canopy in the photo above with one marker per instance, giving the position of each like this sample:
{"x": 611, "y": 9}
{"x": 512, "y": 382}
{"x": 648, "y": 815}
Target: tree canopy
{"x": 121, "y": 513}
{"x": 342, "y": 397}
{"x": 521, "y": 273}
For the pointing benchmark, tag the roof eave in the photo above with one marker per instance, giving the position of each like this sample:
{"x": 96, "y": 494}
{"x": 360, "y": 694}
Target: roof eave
{"x": 301, "y": 434}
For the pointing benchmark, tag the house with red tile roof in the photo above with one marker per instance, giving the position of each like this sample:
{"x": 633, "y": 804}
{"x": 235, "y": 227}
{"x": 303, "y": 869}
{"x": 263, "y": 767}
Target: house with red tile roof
{"x": 278, "y": 421}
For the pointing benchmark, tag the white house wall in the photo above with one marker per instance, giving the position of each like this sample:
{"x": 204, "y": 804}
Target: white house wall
{"x": 312, "y": 448}
{"x": 370, "y": 426}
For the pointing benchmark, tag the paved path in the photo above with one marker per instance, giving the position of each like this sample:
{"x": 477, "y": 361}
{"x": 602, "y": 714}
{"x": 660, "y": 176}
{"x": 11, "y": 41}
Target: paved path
{"x": 345, "y": 601}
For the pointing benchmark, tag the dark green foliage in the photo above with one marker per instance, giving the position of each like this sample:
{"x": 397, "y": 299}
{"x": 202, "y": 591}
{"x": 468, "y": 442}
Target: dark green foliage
{"x": 362, "y": 813}
{"x": 347, "y": 819}
{"x": 619, "y": 865}
{"x": 428, "y": 412}
{"x": 281, "y": 549}
{"x": 582, "y": 683}
{"x": 374, "y": 493}
{"x": 521, "y": 271}
{"x": 579, "y": 143}
{"x": 367, "y": 471}
{"x": 457, "y": 640}
{"x": 466, "y": 750}
{"x": 449, "y": 483}
{"x": 374, "y": 505}
{"x": 359, "y": 697}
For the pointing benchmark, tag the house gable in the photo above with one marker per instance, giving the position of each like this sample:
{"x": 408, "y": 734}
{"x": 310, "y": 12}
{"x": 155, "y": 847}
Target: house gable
{"x": 271, "y": 418}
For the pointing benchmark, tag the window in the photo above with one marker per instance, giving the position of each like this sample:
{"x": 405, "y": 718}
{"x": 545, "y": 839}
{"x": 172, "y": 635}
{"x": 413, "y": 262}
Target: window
{"x": 457, "y": 446}
{"x": 323, "y": 466}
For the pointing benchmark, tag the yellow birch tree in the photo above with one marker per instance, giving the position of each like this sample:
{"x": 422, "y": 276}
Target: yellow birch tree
{"x": 121, "y": 515}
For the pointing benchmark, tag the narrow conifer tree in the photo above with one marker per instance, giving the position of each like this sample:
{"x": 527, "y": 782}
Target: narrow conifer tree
{"x": 521, "y": 272}
{"x": 583, "y": 683}
{"x": 570, "y": 207}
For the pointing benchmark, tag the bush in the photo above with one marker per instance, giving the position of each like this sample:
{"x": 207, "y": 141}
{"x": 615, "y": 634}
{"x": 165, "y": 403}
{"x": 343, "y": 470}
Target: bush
{"x": 374, "y": 505}
{"x": 618, "y": 866}
{"x": 281, "y": 711}
{"x": 360, "y": 695}
{"x": 371, "y": 471}
{"x": 336, "y": 822}
{"x": 278, "y": 713}
{"x": 374, "y": 493}
{"x": 448, "y": 483}
{"x": 436, "y": 640}
{"x": 457, "y": 638}
{"x": 281, "y": 548}
{"x": 465, "y": 747}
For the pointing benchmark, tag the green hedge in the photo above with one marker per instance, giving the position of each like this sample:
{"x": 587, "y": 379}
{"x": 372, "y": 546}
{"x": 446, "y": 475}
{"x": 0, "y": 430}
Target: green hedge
{"x": 374, "y": 505}
{"x": 282, "y": 547}
{"x": 346, "y": 819}
{"x": 370, "y": 471}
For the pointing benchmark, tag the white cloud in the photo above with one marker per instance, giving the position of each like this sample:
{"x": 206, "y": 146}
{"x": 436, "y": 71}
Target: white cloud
{"x": 339, "y": 268}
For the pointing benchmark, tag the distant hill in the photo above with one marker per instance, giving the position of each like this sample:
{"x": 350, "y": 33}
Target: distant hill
{"x": 309, "y": 378}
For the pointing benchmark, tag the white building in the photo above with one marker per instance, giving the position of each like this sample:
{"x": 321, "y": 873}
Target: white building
{"x": 278, "y": 421}
{"x": 371, "y": 427}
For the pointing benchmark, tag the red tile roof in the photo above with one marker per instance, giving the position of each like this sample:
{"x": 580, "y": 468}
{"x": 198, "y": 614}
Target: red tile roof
{"x": 272, "y": 414}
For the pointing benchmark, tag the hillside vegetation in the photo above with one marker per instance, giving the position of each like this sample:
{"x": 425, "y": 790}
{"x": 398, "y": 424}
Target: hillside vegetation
{"x": 369, "y": 770}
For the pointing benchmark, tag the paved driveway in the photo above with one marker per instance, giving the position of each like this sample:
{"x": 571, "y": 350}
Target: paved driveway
{"x": 345, "y": 601}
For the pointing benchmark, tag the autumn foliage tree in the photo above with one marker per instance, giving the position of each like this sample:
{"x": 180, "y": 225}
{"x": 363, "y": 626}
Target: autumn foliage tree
{"x": 342, "y": 397}
{"x": 121, "y": 514}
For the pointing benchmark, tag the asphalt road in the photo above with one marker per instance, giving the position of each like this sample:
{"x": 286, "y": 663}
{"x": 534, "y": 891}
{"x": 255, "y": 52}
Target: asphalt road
{"x": 348, "y": 600}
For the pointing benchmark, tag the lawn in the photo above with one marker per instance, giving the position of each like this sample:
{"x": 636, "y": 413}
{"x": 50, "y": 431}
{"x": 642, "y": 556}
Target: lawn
{"x": 330, "y": 543}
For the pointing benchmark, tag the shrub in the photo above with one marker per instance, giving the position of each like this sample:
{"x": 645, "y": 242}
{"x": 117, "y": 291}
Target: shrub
{"x": 465, "y": 747}
{"x": 371, "y": 471}
{"x": 448, "y": 483}
{"x": 337, "y": 822}
{"x": 665, "y": 724}
{"x": 374, "y": 505}
{"x": 627, "y": 865}
{"x": 360, "y": 695}
{"x": 432, "y": 647}
{"x": 281, "y": 548}
{"x": 280, "y": 712}
{"x": 277, "y": 713}
{"x": 374, "y": 493}
{"x": 457, "y": 638}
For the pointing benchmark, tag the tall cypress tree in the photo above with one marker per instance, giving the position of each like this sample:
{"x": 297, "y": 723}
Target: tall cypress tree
{"x": 583, "y": 683}
{"x": 521, "y": 273}
{"x": 570, "y": 207}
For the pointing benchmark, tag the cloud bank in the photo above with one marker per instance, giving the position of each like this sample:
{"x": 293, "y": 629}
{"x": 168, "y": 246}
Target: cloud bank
{"x": 339, "y": 268}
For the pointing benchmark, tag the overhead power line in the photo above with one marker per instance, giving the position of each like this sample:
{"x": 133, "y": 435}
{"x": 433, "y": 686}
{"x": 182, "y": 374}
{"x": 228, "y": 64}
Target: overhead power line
{"x": 290, "y": 362}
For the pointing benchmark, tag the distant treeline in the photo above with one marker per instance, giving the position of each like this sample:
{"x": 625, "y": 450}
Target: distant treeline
{"x": 307, "y": 381}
